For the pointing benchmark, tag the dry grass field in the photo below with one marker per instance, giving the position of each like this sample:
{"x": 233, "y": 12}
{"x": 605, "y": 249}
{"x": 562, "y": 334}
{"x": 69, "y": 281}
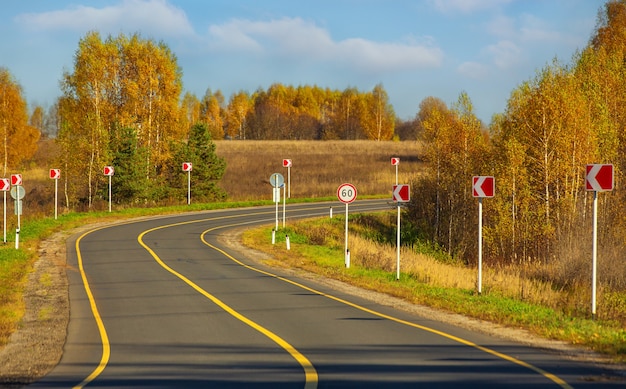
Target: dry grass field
{"x": 319, "y": 167}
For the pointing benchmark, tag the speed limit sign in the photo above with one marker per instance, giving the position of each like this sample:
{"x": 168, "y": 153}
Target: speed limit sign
{"x": 346, "y": 193}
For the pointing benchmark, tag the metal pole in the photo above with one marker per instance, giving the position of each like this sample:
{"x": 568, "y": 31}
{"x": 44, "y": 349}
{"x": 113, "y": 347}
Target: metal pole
{"x": 594, "y": 254}
{"x": 396, "y": 174}
{"x": 398, "y": 244}
{"x": 5, "y": 217}
{"x": 276, "y": 201}
{"x": 480, "y": 245}
{"x": 289, "y": 179}
{"x": 346, "y": 250}
{"x": 17, "y": 231}
{"x": 109, "y": 193}
{"x": 284, "y": 205}
{"x": 188, "y": 187}
{"x": 56, "y": 191}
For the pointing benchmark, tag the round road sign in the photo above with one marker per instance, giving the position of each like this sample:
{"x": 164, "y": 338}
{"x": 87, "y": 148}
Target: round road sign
{"x": 277, "y": 180}
{"x": 346, "y": 193}
{"x": 18, "y": 192}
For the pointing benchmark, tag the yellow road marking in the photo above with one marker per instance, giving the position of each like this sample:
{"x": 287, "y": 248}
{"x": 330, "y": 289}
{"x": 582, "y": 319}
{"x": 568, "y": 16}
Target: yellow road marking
{"x": 106, "y": 347}
{"x": 506, "y": 357}
{"x": 311, "y": 377}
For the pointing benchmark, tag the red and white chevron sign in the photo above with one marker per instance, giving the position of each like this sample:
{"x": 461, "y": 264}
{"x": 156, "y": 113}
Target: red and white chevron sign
{"x": 108, "y": 171}
{"x": 287, "y": 163}
{"x": 599, "y": 178}
{"x": 402, "y": 193}
{"x": 187, "y": 166}
{"x": 395, "y": 161}
{"x": 5, "y": 184}
{"x": 55, "y": 174}
{"x": 16, "y": 179}
{"x": 483, "y": 186}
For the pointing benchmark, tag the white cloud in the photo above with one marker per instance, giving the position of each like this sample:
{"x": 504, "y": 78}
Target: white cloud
{"x": 506, "y": 54}
{"x": 466, "y": 6}
{"x": 153, "y": 16}
{"x": 503, "y": 27}
{"x": 473, "y": 70}
{"x": 299, "y": 40}
{"x": 536, "y": 30}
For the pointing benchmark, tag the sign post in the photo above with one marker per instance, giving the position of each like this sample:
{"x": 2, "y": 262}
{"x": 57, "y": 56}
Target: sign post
{"x": 599, "y": 178}
{"x": 395, "y": 161}
{"x": 401, "y": 194}
{"x": 346, "y": 193}
{"x": 287, "y": 163}
{"x": 284, "y": 204}
{"x": 482, "y": 186}
{"x": 109, "y": 171}
{"x": 55, "y": 174}
{"x": 187, "y": 167}
{"x": 276, "y": 180}
{"x": 18, "y": 192}
{"x": 5, "y": 186}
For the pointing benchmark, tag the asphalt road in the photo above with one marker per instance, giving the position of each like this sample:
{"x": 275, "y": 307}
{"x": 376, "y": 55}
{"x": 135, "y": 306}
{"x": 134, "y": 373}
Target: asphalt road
{"x": 159, "y": 303}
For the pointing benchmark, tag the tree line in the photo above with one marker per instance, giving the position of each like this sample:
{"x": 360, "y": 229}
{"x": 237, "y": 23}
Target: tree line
{"x": 123, "y": 103}
{"x": 566, "y": 116}
{"x": 126, "y": 90}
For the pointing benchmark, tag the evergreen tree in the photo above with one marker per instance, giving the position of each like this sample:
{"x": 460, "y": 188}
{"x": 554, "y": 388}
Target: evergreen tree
{"x": 208, "y": 168}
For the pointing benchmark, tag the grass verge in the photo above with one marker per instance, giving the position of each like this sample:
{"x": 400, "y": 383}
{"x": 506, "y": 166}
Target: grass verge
{"x": 606, "y": 337}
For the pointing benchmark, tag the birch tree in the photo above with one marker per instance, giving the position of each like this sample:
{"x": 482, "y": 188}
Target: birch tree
{"x": 377, "y": 115}
{"x": 19, "y": 140}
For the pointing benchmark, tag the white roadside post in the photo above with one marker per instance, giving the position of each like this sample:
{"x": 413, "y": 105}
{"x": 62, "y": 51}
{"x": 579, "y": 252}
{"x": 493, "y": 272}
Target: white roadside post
{"x": 284, "y": 205}
{"x": 599, "y": 178}
{"x": 17, "y": 193}
{"x": 401, "y": 194}
{"x": 55, "y": 174}
{"x": 482, "y": 186}
{"x": 188, "y": 167}
{"x": 346, "y": 193}
{"x": 276, "y": 180}
{"x": 5, "y": 186}
{"x": 287, "y": 163}
{"x": 109, "y": 171}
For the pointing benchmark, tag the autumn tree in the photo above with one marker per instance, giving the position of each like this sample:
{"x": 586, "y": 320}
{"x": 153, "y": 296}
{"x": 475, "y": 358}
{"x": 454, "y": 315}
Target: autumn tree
{"x": 455, "y": 146}
{"x": 151, "y": 84}
{"x": 122, "y": 82}
{"x": 377, "y": 115}
{"x": 236, "y": 115}
{"x": 19, "y": 139}
{"x": 37, "y": 118}
{"x": 212, "y": 113}
{"x": 190, "y": 110}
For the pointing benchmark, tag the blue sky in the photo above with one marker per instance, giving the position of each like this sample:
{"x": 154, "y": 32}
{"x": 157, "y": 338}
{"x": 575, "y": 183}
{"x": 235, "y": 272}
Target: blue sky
{"x": 414, "y": 48}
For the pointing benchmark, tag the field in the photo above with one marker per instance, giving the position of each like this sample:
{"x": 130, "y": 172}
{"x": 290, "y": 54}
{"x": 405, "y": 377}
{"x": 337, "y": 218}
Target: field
{"x": 319, "y": 167}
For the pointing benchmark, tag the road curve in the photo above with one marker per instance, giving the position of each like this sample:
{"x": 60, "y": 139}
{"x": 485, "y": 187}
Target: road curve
{"x": 159, "y": 303}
